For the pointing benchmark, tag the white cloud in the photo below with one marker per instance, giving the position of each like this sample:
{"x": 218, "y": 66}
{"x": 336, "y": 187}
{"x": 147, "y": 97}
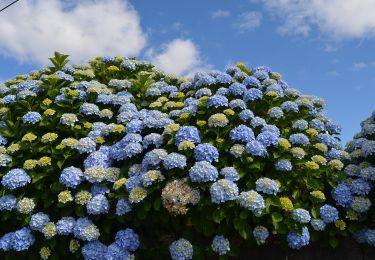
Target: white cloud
{"x": 337, "y": 18}
{"x": 249, "y": 21}
{"x": 333, "y": 73}
{"x": 359, "y": 66}
{"x": 179, "y": 57}
{"x": 33, "y": 30}
{"x": 220, "y": 13}
{"x": 330, "y": 48}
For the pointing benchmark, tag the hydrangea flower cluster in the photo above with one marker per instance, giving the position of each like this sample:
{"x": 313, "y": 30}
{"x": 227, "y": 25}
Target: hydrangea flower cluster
{"x": 115, "y": 153}
{"x": 355, "y": 192}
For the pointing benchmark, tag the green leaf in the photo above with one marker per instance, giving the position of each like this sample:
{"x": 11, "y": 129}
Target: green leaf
{"x": 244, "y": 214}
{"x": 218, "y": 215}
{"x": 296, "y": 194}
{"x": 60, "y": 164}
{"x": 157, "y": 204}
{"x": 276, "y": 217}
{"x": 333, "y": 241}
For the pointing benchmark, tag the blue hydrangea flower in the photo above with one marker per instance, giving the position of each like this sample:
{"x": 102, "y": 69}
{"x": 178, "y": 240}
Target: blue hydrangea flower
{"x": 252, "y": 201}
{"x": 22, "y": 239}
{"x": 242, "y": 133}
{"x": 220, "y": 245}
{"x": 153, "y": 139}
{"x": 268, "y": 138}
{"x": 122, "y": 207}
{"x": 328, "y": 140}
{"x": 71, "y": 177}
{"x": 236, "y": 89}
{"x": 252, "y": 94}
{"x": 300, "y": 139}
{"x": 99, "y": 189}
{"x": 187, "y": 133}
{"x": 38, "y": 221}
{"x": 255, "y": 148}
{"x": 275, "y": 112}
{"x": 283, "y": 165}
{"x": 317, "y": 124}
{"x": 260, "y": 234}
{"x": 203, "y": 79}
{"x": 318, "y": 224}
{"x": 360, "y": 204}
{"x": 181, "y": 250}
{"x": 261, "y": 74}
{"x": 333, "y": 127}
{"x": 203, "y": 92}
{"x": 206, "y": 152}
{"x": 251, "y": 82}
{"x": 246, "y": 115}
{"x": 223, "y": 78}
{"x": 127, "y": 239}
{"x": 301, "y": 215}
{"x": 229, "y": 173}
{"x": 115, "y": 252}
{"x": 3, "y": 140}
{"x": 94, "y": 250}
{"x": 329, "y": 214}
{"x": 223, "y": 190}
{"x": 31, "y": 118}
{"x": 174, "y": 160}
{"x": 120, "y": 83}
{"x": 134, "y": 126}
{"x": 368, "y": 173}
{"x": 237, "y": 103}
{"x": 217, "y": 101}
{"x": 9, "y": 99}
{"x": 203, "y": 171}
{"x": 97, "y": 205}
{"x": 296, "y": 241}
{"x": 65, "y": 226}
{"x": 98, "y": 158}
{"x": 89, "y": 109}
{"x": 221, "y": 91}
{"x": 82, "y": 230}
{"x": 276, "y": 88}
{"x": 85, "y": 145}
{"x": 342, "y": 195}
{"x": 368, "y": 148}
{"x": 271, "y": 128}
{"x": 62, "y": 75}
{"x": 369, "y": 236}
{"x": 8, "y": 202}
{"x": 289, "y": 106}
{"x": 360, "y": 187}
{"x": 128, "y": 64}
{"x": 300, "y": 124}
{"x": 257, "y": 121}
{"x": 6, "y": 241}
{"x": 267, "y": 186}
{"x": 154, "y": 158}
{"x": 15, "y": 178}
{"x": 334, "y": 154}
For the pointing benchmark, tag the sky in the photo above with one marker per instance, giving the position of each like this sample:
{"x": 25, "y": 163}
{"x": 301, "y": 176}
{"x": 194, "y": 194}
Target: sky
{"x": 322, "y": 48}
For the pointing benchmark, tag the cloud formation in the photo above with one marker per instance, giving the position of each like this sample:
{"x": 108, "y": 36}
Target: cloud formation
{"x": 220, "y": 13}
{"x": 249, "y": 21}
{"x": 337, "y": 18}
{"x": 34, "y": 29}
{"x": 179, "y": 57}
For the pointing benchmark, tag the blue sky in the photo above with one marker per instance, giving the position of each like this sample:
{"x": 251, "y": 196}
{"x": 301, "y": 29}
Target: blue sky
{"x": 322, "y": 49}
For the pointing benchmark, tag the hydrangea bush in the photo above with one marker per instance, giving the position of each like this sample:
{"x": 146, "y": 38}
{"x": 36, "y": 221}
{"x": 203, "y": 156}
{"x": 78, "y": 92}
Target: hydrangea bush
{"x": 115, "y": 159}
{"x": 355, "y": 193}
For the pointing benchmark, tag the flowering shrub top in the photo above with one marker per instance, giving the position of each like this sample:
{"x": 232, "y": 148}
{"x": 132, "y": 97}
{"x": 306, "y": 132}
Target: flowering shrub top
{"x": 355, "y": 193}
{"x": 120, "y": 159}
